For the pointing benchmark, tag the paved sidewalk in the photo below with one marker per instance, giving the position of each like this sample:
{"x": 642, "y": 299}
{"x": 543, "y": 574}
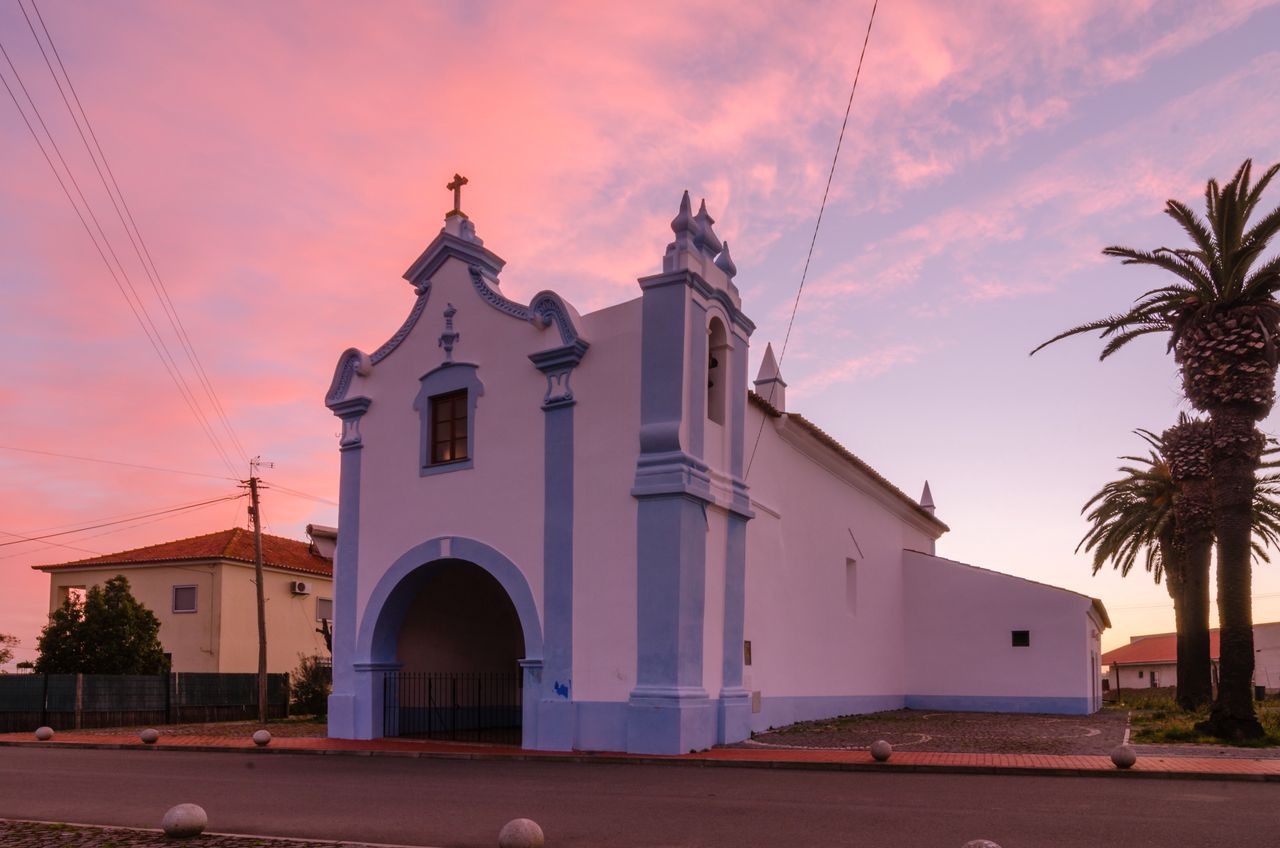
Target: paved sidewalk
{"x": 741, "y": 757}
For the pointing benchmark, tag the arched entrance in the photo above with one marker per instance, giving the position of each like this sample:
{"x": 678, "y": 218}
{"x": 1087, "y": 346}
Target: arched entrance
{"x": 459, "y": 649}
{"x": 457, "y": 606}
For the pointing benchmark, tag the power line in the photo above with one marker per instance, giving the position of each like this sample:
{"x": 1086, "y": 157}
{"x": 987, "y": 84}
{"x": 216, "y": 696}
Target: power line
{"x": 22, "y": 538}
{"x": 299, "y": 494}
{"x": 116, "y": 462}
{"x": 139, "y": 245}
{"x": 817, "y": 224}
{"x": 139, "y": 310}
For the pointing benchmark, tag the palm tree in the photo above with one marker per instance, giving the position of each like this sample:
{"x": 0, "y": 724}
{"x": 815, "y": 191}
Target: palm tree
{"x": 1186, "y": 447}
{"x": 1221, "y": 317}
{"x": 1159, "y": 512}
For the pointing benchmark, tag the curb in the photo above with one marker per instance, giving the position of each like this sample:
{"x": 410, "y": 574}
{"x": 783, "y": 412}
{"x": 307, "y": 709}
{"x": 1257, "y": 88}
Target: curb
{"x": 256, "y": 836}
{"x": 622, "y": 759}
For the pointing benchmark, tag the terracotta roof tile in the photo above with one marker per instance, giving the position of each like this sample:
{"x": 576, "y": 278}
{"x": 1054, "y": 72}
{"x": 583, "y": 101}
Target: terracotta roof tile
{"x": 235, "y": 544}
{"x": 1161, "y": 648}
{"x": 846, "y": 454}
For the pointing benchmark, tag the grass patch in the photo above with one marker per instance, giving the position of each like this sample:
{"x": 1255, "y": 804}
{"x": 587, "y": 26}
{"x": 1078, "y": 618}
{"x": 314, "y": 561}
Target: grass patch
{"x": 1156, "y": 720}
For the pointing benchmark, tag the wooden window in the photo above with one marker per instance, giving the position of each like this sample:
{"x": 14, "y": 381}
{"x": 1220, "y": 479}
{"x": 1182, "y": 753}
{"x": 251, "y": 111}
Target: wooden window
{"x": 184, "y": 598}
{"x": 324, "y": 609}
{"x": 449, "y": 427}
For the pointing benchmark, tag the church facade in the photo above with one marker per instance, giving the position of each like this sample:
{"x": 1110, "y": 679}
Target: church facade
{"x": 667, "y": 557}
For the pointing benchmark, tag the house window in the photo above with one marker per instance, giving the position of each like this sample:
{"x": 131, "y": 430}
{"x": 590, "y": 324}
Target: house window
{"x": 184, "y": 598}
{"x": 1021, "y": 638}
{"x": 1140, "y": 674}
{"x": 75, "y": 594}
{"x": 324, "y": 609}
{"x": 851, "y": 584}
{"x": 449, "y": 427}
{"x": 746, "y": 652}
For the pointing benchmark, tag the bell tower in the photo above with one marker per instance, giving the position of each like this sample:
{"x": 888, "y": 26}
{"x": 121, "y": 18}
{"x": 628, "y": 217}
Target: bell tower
{"x": 691, "y": 495}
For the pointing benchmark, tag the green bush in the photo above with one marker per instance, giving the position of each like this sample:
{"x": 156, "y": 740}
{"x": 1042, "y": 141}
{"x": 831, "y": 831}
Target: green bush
{"x": 309, "y": 687}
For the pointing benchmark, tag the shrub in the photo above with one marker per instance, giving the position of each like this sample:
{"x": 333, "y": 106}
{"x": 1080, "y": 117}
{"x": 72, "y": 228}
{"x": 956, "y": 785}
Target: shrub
{"x": 309, "y": 686}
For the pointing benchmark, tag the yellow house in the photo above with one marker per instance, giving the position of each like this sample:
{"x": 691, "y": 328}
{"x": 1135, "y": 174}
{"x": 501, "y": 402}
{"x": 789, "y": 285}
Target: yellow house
{"x": 202, "y": 590}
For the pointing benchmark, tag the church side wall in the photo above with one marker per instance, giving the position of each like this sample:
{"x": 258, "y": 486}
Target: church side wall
{"x": 824, "y": 589}
{"x": 959, "y": 624}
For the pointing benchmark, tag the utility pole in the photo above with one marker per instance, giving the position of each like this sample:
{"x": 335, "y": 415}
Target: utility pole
{"x": 255, "y": 513}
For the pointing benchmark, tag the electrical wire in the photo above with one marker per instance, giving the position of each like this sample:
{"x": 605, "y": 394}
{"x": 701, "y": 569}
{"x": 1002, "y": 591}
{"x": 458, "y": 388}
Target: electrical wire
{"x": 116, "y": 462}
{"x": 817, "y": 224}
{"x": 126, "y": 288}
{"x": 22, "y": 538}
{"x": 139, "y": 244}
{"x": 306, "y": 495}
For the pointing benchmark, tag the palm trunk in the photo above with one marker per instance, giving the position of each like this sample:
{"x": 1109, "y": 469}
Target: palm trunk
{"x": 1236, "y": 450}
{"x": 1177, "y": 591}
{"x": 1195, "y": 664}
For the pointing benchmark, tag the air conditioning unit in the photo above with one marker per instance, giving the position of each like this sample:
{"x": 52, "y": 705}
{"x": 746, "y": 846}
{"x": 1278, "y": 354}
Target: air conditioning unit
{"x": 300, "y": 587}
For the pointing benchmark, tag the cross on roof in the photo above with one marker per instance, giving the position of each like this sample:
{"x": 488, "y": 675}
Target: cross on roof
{"x": 456, "y": 187}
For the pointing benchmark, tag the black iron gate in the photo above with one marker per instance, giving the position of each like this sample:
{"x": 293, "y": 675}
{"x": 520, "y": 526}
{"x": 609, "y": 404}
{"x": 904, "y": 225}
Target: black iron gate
{"x": 461, "y": 706}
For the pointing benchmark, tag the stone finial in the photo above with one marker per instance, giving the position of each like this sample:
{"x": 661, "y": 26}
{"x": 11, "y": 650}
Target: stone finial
{"x": 725, "y": 262}
{"x": 881, "y": 751}
{"x": 704, "y": 237}
{"x": 926, "y": 499}
{"x": 683, "y": 221}
{"x": 448, "y": 338}
{"x": 262, "y": 738}
{"x": 769, "y": 383}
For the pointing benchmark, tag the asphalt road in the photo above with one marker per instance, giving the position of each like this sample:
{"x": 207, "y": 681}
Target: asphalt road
{"x": 464, "y": 803}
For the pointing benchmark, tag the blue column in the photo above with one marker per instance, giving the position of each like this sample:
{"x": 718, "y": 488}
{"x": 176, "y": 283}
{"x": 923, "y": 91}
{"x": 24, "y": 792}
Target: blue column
{"x": 349, "y": 709}
{"x": 553, "y": 682}
{"x": 734, "y": 714}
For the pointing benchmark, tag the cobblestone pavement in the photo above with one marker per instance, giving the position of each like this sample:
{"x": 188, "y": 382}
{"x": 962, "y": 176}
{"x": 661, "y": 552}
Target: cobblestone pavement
{"x": 22, "y": 834}
{"x": 955, "y": 732}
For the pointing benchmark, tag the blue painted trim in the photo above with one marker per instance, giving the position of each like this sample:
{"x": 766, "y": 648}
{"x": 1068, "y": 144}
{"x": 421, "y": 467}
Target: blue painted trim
{"x": 780, "y": 711}
{"x": 396, "y": 589}
{"x": 446, "y": 246}
{"x": 355, "y": 361}
{"x": 1001, "y": 704}
{"x": 449, "y": 377}
{"x": 343, "y": 701}
{"x": 556, "y": 716}
{"x": 734, "y": 722}
{"x": 557, "y": 365}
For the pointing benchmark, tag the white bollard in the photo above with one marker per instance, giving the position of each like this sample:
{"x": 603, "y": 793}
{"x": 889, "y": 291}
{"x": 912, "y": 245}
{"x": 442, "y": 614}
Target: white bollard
{"x": 881, "y": 750}
{"x": 1124, "y": 756}
{"x": 262, "y": 737}
{"x": 184, "y": 821}
{"x": 521, "y": 833}
{"x": 149, "y": 736}
{"x": 44, "y": 734}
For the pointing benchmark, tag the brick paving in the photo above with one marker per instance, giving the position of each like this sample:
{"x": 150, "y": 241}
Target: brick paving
{"x": 28, "y": 834}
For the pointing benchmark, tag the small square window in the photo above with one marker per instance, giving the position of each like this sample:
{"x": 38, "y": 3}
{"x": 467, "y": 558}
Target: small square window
{"x": 1139, "y": 674}
{"x": 1021, "y": 638}
{"x": 324, "y": 609}
{"x": 449, "y": 428}
{"x": 184, "y": 598}
{"x": 746, "y": 652}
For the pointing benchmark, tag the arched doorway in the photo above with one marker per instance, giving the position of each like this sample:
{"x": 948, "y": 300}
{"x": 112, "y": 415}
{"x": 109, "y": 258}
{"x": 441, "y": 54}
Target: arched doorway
{"x": 459, "y": 646}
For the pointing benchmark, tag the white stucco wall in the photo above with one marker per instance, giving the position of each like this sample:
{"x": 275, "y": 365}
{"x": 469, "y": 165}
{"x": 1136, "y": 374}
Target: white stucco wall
{"x": 957, "y": 626}
{"x": 606, "y": 444}
{"x": 811, "y": 652}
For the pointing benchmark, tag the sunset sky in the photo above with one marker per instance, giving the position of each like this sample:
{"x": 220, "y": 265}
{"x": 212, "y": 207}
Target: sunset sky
{"x": 285, "y": 162}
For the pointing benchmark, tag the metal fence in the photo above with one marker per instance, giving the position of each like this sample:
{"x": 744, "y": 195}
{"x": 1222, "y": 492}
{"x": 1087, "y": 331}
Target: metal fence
{"x": 75, "y": 701}
{"x": 474, "y": 706}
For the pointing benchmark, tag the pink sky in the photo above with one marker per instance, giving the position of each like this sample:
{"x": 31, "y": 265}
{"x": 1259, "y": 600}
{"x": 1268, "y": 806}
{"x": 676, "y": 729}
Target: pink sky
{"x": 285, "y": 163}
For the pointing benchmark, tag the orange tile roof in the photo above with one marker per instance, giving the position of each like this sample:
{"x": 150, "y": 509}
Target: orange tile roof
{"x": 1161, "y": 648}
{"x": 848, "y": 455}
{"x": 235, "y": 544}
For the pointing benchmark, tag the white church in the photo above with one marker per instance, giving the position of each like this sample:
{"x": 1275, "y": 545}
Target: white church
{"x": 591, "y": 530}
